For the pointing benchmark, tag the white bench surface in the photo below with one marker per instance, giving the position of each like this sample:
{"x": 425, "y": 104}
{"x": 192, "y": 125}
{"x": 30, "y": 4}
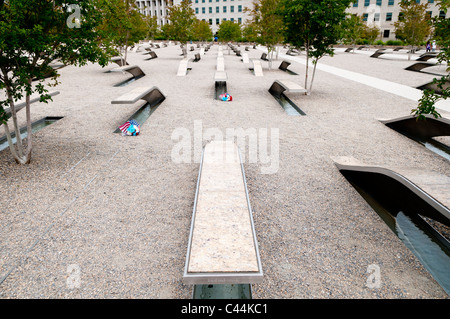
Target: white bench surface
{"x": 220, "y": 64}
{"x": 222, "y": 235}
{"x": 291, "y": 86}
{"x": 182, "y": 68}
{"x": 124, "y": 68}
{"x": 257, "y": 69}
{"x": 220, "y": 76}
{"x": 245, "y": 58}
{"x": 132, "y": 96}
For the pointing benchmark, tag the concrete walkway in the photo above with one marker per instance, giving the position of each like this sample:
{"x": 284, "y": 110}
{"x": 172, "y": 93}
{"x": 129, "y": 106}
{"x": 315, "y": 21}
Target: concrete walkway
{"x": 387, "y": 86}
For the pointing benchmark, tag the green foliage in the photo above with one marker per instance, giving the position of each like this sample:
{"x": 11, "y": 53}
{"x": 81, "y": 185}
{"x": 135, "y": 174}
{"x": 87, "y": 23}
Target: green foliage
{"x": 182, "y": 18}
{"x": 266, "y": 25}
{"x": 33, "y": 33}
{"x": 352, "y": 29}
{"x": 229, "y": 31}
{"x": 316, "y": 25}
{"x": 122, "y": 23}
{"x": 202, "y": 31}
{"x": 370, "y": 33}
{"x": 414, "y": 25}
{"x": 429, "y": 98}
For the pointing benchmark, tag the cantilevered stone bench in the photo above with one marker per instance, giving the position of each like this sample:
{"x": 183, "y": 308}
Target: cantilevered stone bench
{"x": 220, "y": 64}
{"x": 196, "y": 57}
{"x": 264, "y": 57}
{"x": 245, "y": 58}
{"x": 280, "y": 86}
{"x": 284, "y": 67}
{"x": 21, "y": 105}
{"x": 427, "y": 56}
{"x": 119, "y": 61}
{"x": 431, "y": 187}
{"x": 152, "y": 55}
{"x": 151, "y": 95}
{"x": 378, "y": 53}
{"x": 183, "y": 67}
{"x": 134, "y": 70}
{"x": 417, "y": 67}
{"x": 222, "y": 246}
{"x": 422, "y": 129}
{"x": 257, "y": 68}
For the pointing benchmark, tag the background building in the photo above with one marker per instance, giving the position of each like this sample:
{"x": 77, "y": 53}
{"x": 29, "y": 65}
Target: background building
{"x": 384, "y": 13}
{"x": 216, "y": 11}
{"x": 212, "y": 11}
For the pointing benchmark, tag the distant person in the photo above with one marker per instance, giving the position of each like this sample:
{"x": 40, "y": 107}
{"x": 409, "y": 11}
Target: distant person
{"x": 428, "y": 46}
{"x": 215, "y": 39}
{"x": 433, "y": 46}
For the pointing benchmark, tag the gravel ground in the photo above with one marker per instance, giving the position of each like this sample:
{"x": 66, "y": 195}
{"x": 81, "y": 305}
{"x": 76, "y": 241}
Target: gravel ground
{"x": 118, "y": 209}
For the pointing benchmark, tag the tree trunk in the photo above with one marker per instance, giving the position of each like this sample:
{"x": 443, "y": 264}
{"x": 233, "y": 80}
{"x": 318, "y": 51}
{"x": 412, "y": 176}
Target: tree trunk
{"x": 314, "y": 72}
{"x": 16, "y": 126}
{"x": 307, "y": 67}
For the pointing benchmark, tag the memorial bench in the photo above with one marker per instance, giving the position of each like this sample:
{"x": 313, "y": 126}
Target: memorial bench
{"x": 152, "y": 56}
{"x": 257, "y": 68}
{"x": 119, "y": 61}
{"x": 151, "y": 95}
{"x": 280, "y": 86}
{"x": 134, "y": 70}
{"x": 222, "y": 246}
{"x": 429, "y": 186}
{"x": 21, "y": 105}
{"x": 183, "y": 67}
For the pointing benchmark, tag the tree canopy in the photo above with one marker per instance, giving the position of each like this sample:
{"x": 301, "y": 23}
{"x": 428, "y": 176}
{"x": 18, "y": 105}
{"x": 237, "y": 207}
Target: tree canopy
{"x": 33, "y": 34}
{"x": 316, "y": 25}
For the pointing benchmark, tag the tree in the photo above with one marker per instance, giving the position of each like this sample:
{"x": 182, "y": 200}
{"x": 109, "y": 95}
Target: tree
{"x": 122, "y": 23}
{"x": 413, "y": 26}
{"x": 370, "y": 33}
{"x": 202, "y": 30}
{"x": 182, "y": 18}
{"x": 352, "y": 29}
{"x": 152, "y": 27}
{"x": 33, "y": 33}
{"x": 229, "y": 31}
{"x": 316, "y": 25}
{"x": 429, "y": 98}
{"x": 268, "y": 25}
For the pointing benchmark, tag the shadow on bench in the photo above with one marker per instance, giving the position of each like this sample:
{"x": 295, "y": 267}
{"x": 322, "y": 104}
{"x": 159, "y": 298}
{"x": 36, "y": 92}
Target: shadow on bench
{"x": 152, "y": 56}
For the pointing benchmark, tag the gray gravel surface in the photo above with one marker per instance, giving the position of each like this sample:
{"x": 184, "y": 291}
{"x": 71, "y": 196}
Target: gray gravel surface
{"x": 119, "y": 208}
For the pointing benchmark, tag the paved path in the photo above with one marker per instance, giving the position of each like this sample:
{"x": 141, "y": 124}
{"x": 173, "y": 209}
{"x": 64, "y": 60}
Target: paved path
{"x": 387, "y": 86}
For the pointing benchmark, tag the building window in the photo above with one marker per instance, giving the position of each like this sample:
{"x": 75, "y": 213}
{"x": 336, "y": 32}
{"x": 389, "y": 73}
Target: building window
{"x": 430, "y": 1}
{"x": 430, "y": 13}
{"x": 210, "y": 9}
{"x": 239, "y": 8}
{"x": 203, "y": 10}
{"x": 203, "y": 1}
{"x": 217, "y": 21}
{"x": 240, "y": 20}
{"x": 231, "y": 8}
{"x": 379, "y": 2}
{"x": 442, "y": 14}
{"x": 210, "y": 21}
{"x": 376, "y": 17}
{"x": 232, "y": 19}
{"x": 365, "y": 16}
{"x": 196, "y": 10}
{"x": 217, "y": 9}
{"x": 366, "y": 3}
{"x": 355, "y": 4}
{"x": 389, "y": 16}
{"x": 224, "y": 9}
{"x": 196, "y": 1}
{"x": 386, "y": 33}
{"x": 390, "y": 2}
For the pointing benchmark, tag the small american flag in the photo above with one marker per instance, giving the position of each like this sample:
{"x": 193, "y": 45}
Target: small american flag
{"x": 127, "y": 124}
